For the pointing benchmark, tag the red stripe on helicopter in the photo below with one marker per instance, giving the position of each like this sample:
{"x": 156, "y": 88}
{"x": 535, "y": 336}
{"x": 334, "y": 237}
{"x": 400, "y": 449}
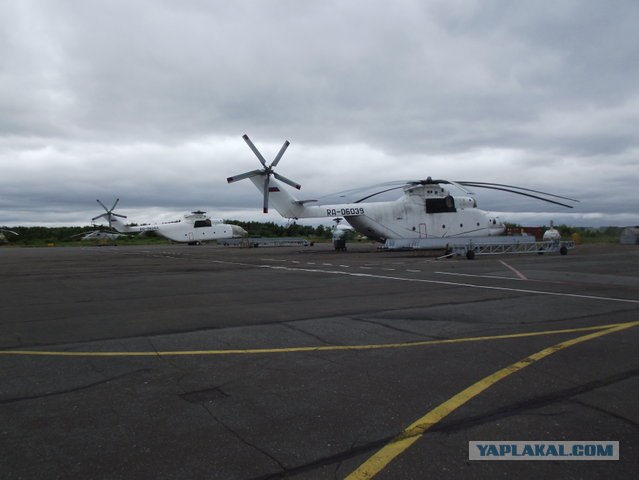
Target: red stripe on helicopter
{"x": 273, "y": 189}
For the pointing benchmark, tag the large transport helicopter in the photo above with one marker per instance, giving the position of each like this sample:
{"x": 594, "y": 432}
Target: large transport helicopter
{"x": 427, "y": 210}
{"x": 193, "y": 228}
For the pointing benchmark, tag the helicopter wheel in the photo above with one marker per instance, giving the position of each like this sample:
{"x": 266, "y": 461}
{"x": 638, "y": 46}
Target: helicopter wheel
{"x": 563, "y": 250}
{"x": 470, "y": 254}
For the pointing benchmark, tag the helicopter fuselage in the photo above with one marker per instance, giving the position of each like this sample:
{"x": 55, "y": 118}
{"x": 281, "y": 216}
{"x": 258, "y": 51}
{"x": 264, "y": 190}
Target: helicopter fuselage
{"x": 426, "y": 209}
{"x": 193, "y": 228}
{"x": 423, "y": 211}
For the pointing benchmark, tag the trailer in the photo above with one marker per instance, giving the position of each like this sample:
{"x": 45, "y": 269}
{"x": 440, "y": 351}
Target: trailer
{"x": 470, "y": 247}
{"x": 257, "y": 241}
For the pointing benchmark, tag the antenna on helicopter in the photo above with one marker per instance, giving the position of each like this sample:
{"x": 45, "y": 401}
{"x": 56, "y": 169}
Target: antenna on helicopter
{"x": 108, "y": 212}
{"x": 266, "y": 172}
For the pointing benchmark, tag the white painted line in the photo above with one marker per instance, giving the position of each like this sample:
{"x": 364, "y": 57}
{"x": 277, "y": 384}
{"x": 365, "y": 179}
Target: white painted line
{"x": 513, "y": 269}
{"x": 413, "y": 271}
{"x": 434, "y": 282}
{"x": 477, "y": 276}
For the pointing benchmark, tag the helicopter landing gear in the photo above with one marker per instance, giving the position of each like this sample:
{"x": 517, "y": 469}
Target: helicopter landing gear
{"x": 339, "y": 245}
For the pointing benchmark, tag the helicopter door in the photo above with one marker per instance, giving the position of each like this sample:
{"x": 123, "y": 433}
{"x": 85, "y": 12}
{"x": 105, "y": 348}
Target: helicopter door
{"x": 422, "y": 230}
{"x": 191, "y": 239}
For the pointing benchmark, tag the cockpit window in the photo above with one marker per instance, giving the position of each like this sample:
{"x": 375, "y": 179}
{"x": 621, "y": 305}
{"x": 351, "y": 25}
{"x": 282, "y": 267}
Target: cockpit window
{"x": 440, "y": 205}
{"x": 202, "y": 223}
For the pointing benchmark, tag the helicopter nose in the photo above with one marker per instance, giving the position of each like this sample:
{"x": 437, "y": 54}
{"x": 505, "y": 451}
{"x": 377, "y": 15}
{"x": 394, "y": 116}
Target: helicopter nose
{"x": 238, "y": 231}
{"x": 498, "y": 227}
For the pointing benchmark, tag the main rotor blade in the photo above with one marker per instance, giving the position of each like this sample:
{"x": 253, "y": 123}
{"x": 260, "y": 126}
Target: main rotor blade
{"x": 255, "y": 150}
{"x": 236, "y": 178}
{"x": 118, "y": 215}
{"x": 116, "y": 202}
{"x": 278, "y": 157}
{"x": 404, "y": 183}
{"x": 378, "y": 193}
{"x": 477, "y": 184}
{"x": 287, "y": 181}
{"x": 266, "y": 192}
{"x": 461, "y": 187}
{"x": 363, "y": 189}
{"x": 492, "y": 187}
{"x": 430, "y": 181}
{"x": 99, "y": 216}
{"x": 415, "y": 183}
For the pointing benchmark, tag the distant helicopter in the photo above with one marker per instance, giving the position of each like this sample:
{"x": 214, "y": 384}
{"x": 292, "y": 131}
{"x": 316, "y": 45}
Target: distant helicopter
{"x": 552, "y": 234}
{"x": 3, "y": 237}
{"x": 426, "y": 209}
{"x": 193, "y": 228}
{"x": 99, "y": 235}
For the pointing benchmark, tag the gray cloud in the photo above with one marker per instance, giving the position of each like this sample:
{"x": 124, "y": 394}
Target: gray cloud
{"x": 148, "y": 100}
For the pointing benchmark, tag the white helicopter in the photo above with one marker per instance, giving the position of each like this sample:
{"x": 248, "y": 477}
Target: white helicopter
{"x": 425, "y": 210}
{"x": 99, "y": 235}
{"x": 193, "y": 228}
{"x": 3, "y": 238}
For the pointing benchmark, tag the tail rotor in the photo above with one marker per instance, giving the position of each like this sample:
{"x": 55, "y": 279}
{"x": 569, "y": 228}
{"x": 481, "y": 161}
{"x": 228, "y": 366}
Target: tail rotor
{"x": 108, "y": 213}
{"x": 266, "y": 172}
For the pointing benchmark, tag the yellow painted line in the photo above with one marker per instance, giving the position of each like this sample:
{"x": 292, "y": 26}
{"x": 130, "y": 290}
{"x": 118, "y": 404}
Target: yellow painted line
{"x": 323, "y": 348}
{"x": 414, "y": 432}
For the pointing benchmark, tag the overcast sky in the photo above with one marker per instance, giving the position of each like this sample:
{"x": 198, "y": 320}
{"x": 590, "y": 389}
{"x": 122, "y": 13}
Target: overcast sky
{"x": 147, "y": 101}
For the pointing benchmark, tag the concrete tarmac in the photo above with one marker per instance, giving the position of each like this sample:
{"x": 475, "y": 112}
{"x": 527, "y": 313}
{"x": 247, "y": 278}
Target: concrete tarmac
{"x": 211, "y": 362}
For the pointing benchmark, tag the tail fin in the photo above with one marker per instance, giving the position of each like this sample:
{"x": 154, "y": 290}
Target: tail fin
{"x": 120, "y": 226}
{"x": 279, "y": 198}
